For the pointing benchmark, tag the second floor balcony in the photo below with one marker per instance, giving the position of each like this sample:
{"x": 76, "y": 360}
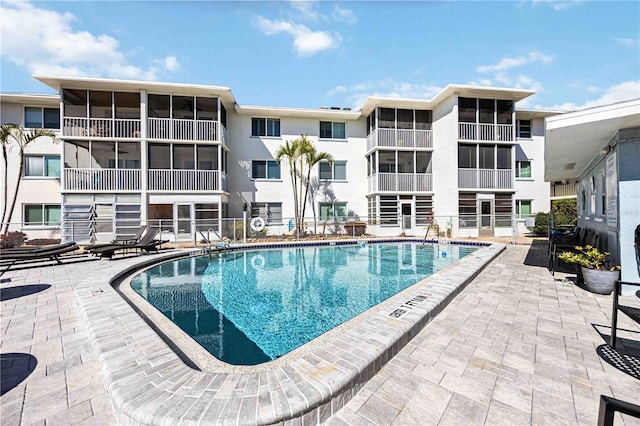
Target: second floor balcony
{"x": 101, "y": 128}
{"x": 561, "y": 190}
{"x": 400, "y": 138}
{"x": 485, "y": 132}
{"x": 485, "y": 178}
{"x": 400, "y": 182}
{"x": 186, "y": 130}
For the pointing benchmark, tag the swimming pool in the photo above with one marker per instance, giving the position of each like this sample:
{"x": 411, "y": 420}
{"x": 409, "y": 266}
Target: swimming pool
{"x": 249, "y": 307}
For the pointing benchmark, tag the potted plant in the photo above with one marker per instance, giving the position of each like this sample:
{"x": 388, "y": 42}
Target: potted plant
{"x": 598, "y": 278}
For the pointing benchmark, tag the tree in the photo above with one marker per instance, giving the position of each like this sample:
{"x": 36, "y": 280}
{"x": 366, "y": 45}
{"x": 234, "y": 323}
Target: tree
{"x": 291, "y": 152}
{"x": 301, "y": 157}
{"x": 22, "y": 139}
{"x": 5, "y": 134}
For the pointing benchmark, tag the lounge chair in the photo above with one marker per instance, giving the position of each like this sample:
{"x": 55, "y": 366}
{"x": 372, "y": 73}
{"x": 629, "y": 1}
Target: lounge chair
{"x": 119, "y": 240}
{"x": 11, "y": 257}
{"x": 146, "y": 244}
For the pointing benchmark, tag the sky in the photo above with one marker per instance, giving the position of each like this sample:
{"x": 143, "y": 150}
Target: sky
{"x": 574, "y": 54}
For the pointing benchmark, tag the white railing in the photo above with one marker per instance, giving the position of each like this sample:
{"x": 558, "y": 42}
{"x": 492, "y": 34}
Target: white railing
{"x": 485, "y": 178}
{"x": 485, "y": 132}
{"x": 400, "y": 138}
{"x": 101, "y": 179}
{"x": 183, "y": 180}
{"x": 400, "y": 182}
{"x": 101, "y": 127}
{"x": 199, "y": 130}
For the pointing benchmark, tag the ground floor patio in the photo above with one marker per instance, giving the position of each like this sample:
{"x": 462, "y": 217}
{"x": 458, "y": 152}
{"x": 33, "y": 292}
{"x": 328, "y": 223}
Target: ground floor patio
{"x": 516, "y": 346}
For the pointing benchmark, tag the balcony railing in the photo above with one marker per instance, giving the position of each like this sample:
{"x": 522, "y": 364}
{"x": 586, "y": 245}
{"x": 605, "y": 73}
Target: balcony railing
{"x": 400, "y": 182}
{"x": 485, "y": 178}
{"x": 101, "y": 127}
{"x": 101, "y": 179}
{"x": 400, "y": 138}
{"x": 563, "y": 190}
{"x": 183, "y": 180}
{"x": 188, "y": 130}
{"x": 485, "y": 132}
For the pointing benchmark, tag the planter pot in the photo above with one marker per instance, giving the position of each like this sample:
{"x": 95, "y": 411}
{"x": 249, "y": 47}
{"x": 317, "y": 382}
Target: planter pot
{"x": 600, "y": 282}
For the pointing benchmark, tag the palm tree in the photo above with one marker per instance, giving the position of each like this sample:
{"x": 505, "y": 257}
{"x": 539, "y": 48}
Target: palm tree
{"x": 312, "y": 157}
{"x": 5, "y": 133}
{"x": 291, "y": 152}
{"x": 22, "y": 139}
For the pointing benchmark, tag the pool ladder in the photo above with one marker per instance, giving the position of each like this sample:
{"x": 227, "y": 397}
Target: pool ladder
{"x": 222, "y": 244}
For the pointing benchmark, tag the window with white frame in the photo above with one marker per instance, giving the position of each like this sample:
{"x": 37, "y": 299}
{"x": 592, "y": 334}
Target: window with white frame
{"x": 265, "y": 169}
{"x": 271, "y": 212}
{"x": 42, "y": 166}
{"x": 265, "y": 127}
{"x": 334, "y": 171}
{"x": 41, "y": 214}
{"x": 336, "y": 211}
{"x": 523, "y": 129}
{"x": 35, "y": 118}
{"x": 523, "y": 207}
{"x": 523, "y": 169}
{"x": 332, "y": 130}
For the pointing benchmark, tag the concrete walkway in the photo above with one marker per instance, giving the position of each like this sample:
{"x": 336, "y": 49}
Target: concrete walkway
{"x": 515, "y": 347}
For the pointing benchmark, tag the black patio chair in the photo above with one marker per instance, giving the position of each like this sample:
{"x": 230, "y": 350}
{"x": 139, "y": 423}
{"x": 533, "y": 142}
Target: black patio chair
{"x": 11, "y": 257}
{"x": 146, "y": 244}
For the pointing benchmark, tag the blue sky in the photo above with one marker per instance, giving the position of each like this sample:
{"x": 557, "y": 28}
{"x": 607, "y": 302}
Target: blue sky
{"x": 575, "y": 54}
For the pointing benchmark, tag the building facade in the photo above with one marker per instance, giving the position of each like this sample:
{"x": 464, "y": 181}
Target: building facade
{"x": 188, "y": 158}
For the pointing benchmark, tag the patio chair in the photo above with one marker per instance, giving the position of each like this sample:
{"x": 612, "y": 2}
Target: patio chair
{"x": 11, "y": 257}
{"x": 147, "y": 243}
{"x": 119, "y": 240}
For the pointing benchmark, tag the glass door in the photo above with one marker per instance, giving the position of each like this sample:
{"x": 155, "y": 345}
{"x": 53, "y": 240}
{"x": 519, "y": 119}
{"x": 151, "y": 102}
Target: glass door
{"x": 406, "y": 216}
{"x": 183, "y": 217}
{"x": 486, "y": 217}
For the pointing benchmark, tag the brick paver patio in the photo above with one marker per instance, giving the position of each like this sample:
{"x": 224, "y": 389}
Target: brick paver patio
{"x": 515, "y": 347}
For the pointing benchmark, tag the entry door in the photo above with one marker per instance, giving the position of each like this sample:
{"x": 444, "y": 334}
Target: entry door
{"x": 485, "y": 214}
{"x": 183, "y": 216}
{"x": 406, "y": 216}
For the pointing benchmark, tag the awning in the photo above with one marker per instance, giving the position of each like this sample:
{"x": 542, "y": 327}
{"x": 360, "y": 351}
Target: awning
{"x": 520, "y": 155}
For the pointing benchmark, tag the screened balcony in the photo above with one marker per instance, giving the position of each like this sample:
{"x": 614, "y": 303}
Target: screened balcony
{"x": 485, "y": 178}
{"x": 485, "y": 132}
{"x": 400, "y": 138}
{"x": 400, "y": 182}
{"x": 101, "y": 166}
{"x": 485, "y": 120}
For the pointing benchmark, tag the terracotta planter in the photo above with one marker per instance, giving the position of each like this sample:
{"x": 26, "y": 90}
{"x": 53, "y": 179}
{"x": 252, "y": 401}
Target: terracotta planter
{"x": 600, "y": 282}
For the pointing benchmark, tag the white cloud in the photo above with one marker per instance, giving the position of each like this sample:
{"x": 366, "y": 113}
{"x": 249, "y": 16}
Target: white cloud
{"x": 356, "y": 94}
{"x": 55, "y": 47}
{"x": 557, "y": 4}
{"x": 620, "y": 92}
{"x": 344, "y": 15}
{"x": 507, "y": 63}
{"x": 305, "y": 41}
{"x": 629, "y": 42}
{"x": 305, "y": 10}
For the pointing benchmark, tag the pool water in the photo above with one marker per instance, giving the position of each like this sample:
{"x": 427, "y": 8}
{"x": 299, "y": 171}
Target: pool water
{"x": 249, "y": 307}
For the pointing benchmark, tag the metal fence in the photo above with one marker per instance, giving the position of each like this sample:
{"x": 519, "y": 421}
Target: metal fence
{"x": 196, "y": 231}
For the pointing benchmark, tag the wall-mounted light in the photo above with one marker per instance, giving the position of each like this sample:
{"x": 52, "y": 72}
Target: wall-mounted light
{"x": 605, "y": 150}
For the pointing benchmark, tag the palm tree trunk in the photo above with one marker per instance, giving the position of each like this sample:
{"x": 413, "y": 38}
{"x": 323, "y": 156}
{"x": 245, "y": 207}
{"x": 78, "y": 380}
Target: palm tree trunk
{"x": 5, "y": 228}
{"x": 5, "y": 195}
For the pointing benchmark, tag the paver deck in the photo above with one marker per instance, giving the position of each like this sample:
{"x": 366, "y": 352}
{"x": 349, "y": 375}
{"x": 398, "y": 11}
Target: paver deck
{"x": 515, "y": 347}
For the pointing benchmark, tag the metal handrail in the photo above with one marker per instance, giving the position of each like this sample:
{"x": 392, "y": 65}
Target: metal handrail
{"x": 609, "y": 406}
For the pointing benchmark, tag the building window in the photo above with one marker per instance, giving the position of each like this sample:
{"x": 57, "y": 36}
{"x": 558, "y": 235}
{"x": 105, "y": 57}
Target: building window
{"x": 468, "y": 210}
{"x": 42, "y": 214}
{"x": 523, "y": 169}
{"x": 42, "y": 166}
{"x": 332, "y": 130}
{"x": 523, "y": 208}
{"x": 467, "y": 156}
{"x": 271, "y": 212}
{"x": 335, "y": 171}
{"x": 265, "y": 127}
{"x": 524, "y": 129}
{"x": 35, "y": 118}
{"x": 265, "y": 169}
{"x": 333, "y": 212}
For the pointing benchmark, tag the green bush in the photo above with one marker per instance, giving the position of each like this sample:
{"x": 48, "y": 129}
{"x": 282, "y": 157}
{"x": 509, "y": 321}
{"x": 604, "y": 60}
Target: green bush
{"x": 12, "y": 239}
{"x": 565, "y": 211}
{"x": 541, "y": 227}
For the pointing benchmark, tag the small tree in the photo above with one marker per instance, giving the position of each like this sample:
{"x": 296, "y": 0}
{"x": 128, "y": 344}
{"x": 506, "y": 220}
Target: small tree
{"x": 5, "y": 136}
{"x": 22, "y": 138}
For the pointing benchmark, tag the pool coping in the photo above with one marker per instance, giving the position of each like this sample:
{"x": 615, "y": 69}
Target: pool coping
{"x": 149, "y": 383}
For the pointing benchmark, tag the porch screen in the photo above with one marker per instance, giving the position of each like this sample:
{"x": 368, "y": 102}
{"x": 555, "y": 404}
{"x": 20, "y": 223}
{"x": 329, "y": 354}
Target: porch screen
{"x": 503, "y": 210}
{"x": 467, "y": 208}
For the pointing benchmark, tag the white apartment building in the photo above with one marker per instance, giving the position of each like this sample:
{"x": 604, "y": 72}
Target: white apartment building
{"x": 189, "y": 157}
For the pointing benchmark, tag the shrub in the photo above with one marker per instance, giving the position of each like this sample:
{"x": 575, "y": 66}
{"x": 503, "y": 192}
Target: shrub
{"x": 565, "y": 211}
{"x": 541, "y": 227}
{"x": 12, "y": 239}
{"x": 589, "y": 257}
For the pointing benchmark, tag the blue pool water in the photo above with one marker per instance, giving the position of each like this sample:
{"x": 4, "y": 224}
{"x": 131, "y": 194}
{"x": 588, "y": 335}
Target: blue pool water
{"x": 249, "y": 307}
